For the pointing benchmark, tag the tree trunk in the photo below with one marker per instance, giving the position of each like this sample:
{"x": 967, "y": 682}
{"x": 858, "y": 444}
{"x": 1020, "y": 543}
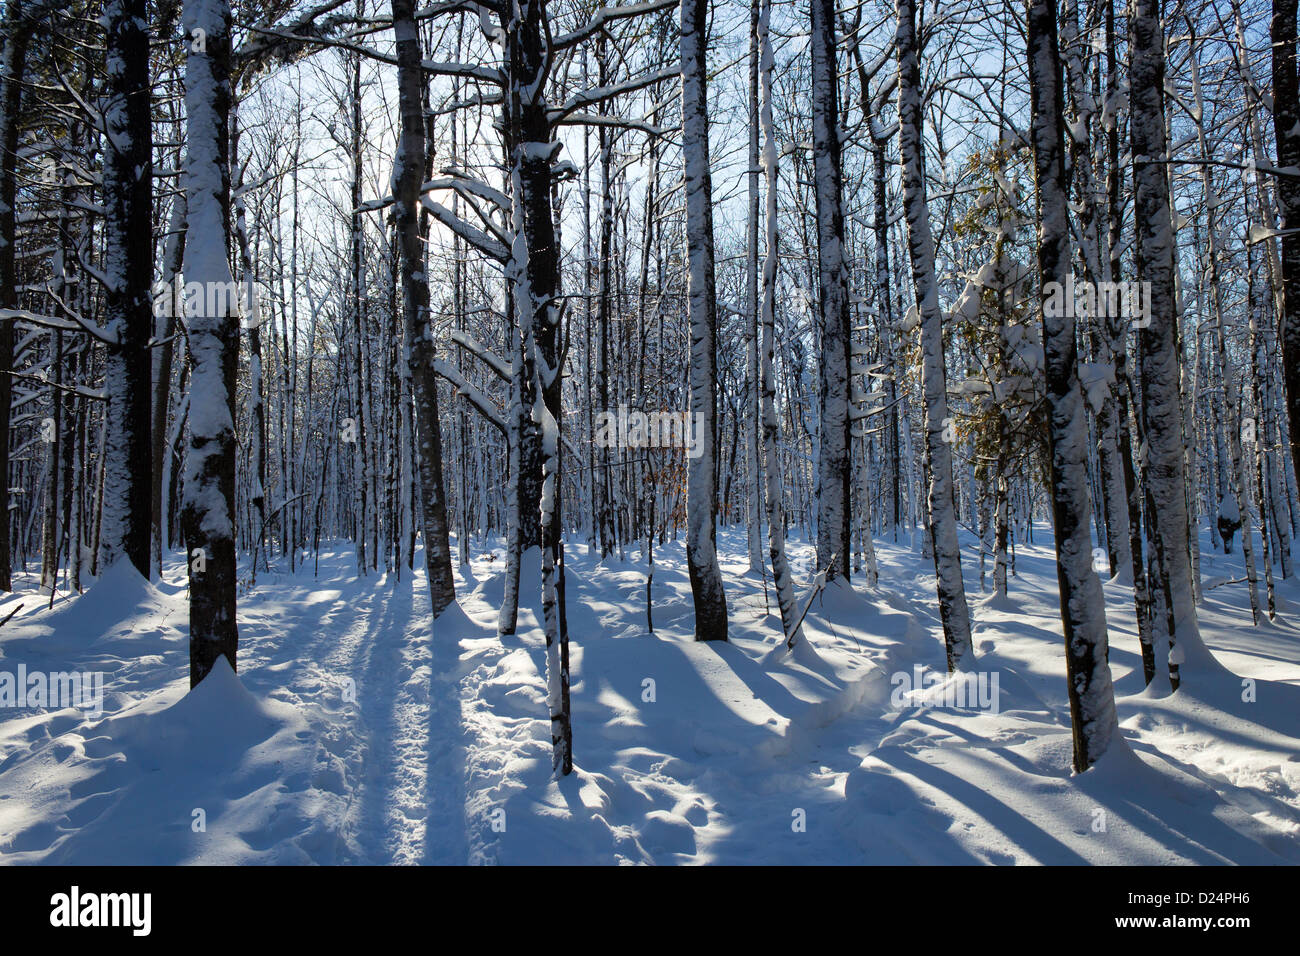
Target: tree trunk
{"x": 701, "y": 494}
{"x": 833, "y": 477}
{"x": 1083, "y": 607}
{"x": 415, "y": 292}
{"x": 752, "y": 398}
{"x": 938, "y": 426}
{"x": 128, "y": 300}
{"x": 1286, "y": 128}
{"x": 1161, "y": 397}
{"x": 208, "y": 504}
{"x": 534, "y": 272}
{"x": 774, "y": 486}
{"x": 173, "y": 254}
{"x": 17, "y": 34}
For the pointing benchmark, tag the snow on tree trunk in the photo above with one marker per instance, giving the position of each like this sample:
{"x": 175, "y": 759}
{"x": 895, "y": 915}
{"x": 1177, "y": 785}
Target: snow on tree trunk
{"x": 253, "y": 323}
{"x": 534, "y": 273}
{"x": 128, "y": 300}
{"x": 774, "y": 488}
{"x": 173, "y": 253}
{"x": 1157, "y": 341}
{"x": 212, "y": 324}
{"x": 17, "y": 32}
{"x": 938, "y": 426}
{"x": 833, "y": 478}
{"x": 1117, "y": 329}
{"x": 701, "y": 494}
{"x": 1238, "y": 486}
{"x": 1080, "y": 160}
{"x": 753, "y": 376}
{"x": 1083, "y": 607}
{"x": 407, "y": 168}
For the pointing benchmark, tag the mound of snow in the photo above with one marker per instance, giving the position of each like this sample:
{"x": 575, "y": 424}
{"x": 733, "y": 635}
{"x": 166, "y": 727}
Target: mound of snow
{"x": 210, "y": 776}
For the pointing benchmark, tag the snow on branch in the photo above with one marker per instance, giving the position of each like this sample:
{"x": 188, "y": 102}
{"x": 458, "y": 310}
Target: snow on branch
{"x": 289, "y": 40}
{"x": 462, "y": 182}
{"x": 476, "y": 237}
{"x": 468, "y": 188}
{"x": 476, "y": 7}
{"x": 607, "y": 15}
{"x": 480, "y": 351}
{"x": 77, "y": 324}
{"x": 469, "y": 71}
{"x": 600, "y": 94}
{"x": 80, "y": 391}
{"x": 616, "y": 122}
{"x": 471, "y": 394}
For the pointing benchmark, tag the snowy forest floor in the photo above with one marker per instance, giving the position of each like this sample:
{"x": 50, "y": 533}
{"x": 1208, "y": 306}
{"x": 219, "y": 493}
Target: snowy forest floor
{"x": 356, "y": 733}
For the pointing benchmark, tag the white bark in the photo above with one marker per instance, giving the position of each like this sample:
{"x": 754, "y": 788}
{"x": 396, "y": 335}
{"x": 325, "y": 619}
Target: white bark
{"x": 938, "y": 426}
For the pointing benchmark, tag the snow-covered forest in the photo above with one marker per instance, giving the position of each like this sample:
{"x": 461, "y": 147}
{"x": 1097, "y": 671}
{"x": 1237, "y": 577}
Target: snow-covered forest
{"x": 649, "y": 431}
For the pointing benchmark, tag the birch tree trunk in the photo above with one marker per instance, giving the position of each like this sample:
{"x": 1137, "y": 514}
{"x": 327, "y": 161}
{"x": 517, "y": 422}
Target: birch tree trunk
{"x": 407, "y": 169}
{"x": 920, "y": 242}
{"x": 833, "y": 475}
{"x": 701, "y": 494}
{"x": 753, "y": 375}
{"x": 533, "y": 270}
{"x": 774, "y": 485}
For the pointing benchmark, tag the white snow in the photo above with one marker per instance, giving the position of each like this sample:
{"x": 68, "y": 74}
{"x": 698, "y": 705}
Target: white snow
{"x": 357, "y": 732}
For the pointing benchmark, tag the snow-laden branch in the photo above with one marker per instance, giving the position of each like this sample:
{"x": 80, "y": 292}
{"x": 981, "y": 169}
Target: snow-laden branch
{"x": 268, "y": 41}
{"x": 607, "y": 15}
{"x": 76, "y": 324}
{"x": 462, "y": 182}
{"x": 471, "y": 394}
{"x": 600, "y": 94}
{"x": 468, "y": 187}
{"x": 616, "y": 122}
{"x": 476, "y": 237}
{"x": 80, "y": 391}
{"x": 469, "y": 71}
{"x": 475, "y": 7}
{"x": 482, "y": 352}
